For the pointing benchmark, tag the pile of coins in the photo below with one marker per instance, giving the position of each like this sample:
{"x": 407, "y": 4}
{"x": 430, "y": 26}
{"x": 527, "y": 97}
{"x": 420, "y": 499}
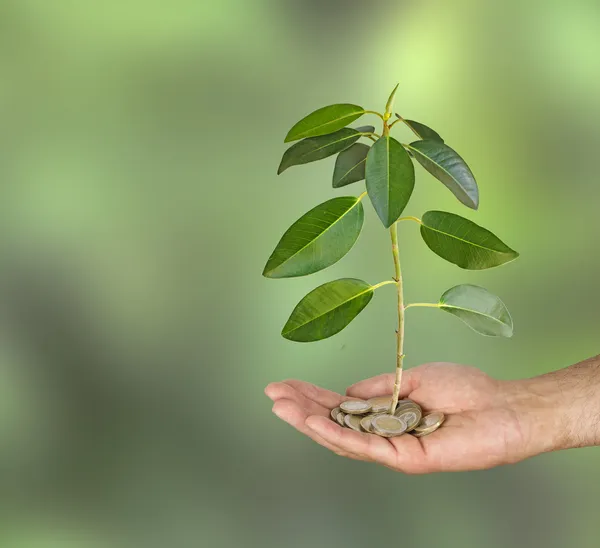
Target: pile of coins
{"x": 373, "y": 416}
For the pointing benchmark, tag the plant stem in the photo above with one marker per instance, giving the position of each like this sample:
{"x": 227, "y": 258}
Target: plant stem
{"x": 400, "y": 331}
{"x": 381, "y": 284}
{"x": 395, "y": 122}
{"x": 415, "y": 219}
{"x": 374, "y": 112}
{"x": 428, "y": 305}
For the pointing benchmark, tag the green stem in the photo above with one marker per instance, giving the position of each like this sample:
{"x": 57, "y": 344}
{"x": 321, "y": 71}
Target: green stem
{"x": 374, "y": 112}
{"x": 381, "y": 284}
{"x": 428, "y": 305}
{"x": 409, "y": 218}
{"x": 400, "y": 331}
{"x": 395, "y": 122}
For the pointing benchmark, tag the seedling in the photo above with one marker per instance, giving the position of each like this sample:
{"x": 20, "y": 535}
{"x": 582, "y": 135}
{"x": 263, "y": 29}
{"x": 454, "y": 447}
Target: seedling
{"x": 327, "y": 232}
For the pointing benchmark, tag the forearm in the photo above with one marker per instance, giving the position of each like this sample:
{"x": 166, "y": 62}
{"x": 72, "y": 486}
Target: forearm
{"x": 559, "y": 410}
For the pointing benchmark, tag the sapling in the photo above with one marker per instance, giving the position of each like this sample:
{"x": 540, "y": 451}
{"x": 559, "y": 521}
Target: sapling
{"x": 327, "y": 232}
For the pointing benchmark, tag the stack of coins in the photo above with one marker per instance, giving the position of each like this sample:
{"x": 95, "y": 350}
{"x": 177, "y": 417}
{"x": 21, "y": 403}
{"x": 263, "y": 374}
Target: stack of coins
{"x": 373, "y": 416}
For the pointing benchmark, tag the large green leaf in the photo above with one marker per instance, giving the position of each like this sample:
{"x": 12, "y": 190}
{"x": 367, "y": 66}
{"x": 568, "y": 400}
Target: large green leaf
{"x": 481, "y": 310}
{"x": 390, "y": 177}
{"x": 365, "y": 129}
{"x": 350, "y": 165}
{"x": 317, "y": 148}
{"x": 327, "y": 309}
{"x": 449, "y": 168}
{"x": 325, "y": 120}
{"x": 318, "y": 239}
{"x": 464, "y": 243}
{"x": 422, "y": 131}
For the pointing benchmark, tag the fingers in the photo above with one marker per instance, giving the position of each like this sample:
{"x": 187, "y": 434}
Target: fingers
{"x": 383, "y": 385}
{"x": 362, "y": 446}
{"x": 322, "y": 396}
{"x": 282, "y": 391}
{"x": 290, "y": 412}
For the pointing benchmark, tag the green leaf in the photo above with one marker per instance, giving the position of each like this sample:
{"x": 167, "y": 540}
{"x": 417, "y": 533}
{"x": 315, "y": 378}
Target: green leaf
{"x": 350, "y": 165}
{"x": 390, "y": 176}
{"x": 365, "y": 129}
{"x": 422, "y": 131}
{"x": 481, "y": 310}
{"x": 449, "y": 168}
{"x": 325, "y": 120}
{"x": 464, "y": 243}
{"x": 327, "y": 309}
{"x": 389, "y": 106}
{"x": 318, "y": 239}
{"x": 317, "y": 148}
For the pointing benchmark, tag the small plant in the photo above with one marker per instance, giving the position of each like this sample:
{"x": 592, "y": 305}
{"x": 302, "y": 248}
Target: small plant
{"x": 326, "y": 233}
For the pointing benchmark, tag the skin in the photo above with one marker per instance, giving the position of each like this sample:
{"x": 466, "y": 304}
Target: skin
{"x": 488, "y": 422}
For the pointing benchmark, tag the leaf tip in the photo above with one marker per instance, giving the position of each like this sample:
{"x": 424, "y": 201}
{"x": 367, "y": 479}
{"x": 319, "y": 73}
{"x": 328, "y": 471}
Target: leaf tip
{"x": 286, "y": 334}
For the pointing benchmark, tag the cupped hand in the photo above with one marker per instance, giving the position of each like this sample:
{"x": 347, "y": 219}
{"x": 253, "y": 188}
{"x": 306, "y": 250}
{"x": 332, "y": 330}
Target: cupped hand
{"x": 483, "y": 426}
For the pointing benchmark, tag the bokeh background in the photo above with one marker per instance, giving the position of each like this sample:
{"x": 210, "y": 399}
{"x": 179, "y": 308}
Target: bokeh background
{"x": 139, "y": 203}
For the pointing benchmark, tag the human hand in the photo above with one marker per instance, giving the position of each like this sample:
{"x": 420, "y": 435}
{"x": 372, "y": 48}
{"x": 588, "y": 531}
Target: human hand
{"x": 487, "y": 423}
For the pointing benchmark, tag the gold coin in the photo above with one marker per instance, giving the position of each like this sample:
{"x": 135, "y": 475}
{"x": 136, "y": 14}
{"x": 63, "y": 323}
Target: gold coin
{"x": 411, "y": 416}
{"x": 353, "y": 422}
{"x": 380, "y": 404}
{"x": 429, "y": 424}
{"x": 355, "y": 407}
{"x": 334, "y": 413}
{"x": 388, "y": 426}
{"x": 340, "y": 418}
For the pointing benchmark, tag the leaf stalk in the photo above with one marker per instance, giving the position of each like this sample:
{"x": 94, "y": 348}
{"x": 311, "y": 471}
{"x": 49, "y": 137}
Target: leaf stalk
{"x": 428, "y": 305}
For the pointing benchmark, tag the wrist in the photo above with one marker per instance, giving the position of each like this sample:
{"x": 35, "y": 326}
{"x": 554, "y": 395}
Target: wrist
{"x": 559, "y": 410}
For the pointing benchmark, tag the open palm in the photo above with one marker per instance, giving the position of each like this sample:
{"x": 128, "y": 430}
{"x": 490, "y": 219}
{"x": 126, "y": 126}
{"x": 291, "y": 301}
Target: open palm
{"x": 482, "y": 428}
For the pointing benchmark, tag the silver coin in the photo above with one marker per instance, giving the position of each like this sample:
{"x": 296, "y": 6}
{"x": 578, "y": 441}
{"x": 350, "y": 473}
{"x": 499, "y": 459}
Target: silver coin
{"x": 380, "y": 404}
{"x": 407, "y": 406}
{"x": 340, "y": 418}
{"x": 355, "y": 407}
{"x": 334, "y": 413}
{"x": 353, "y": 422}
{"x": 429, "y": 424}
{"x": 388, "y": 426}
{"x": 365, "y": 422}
{"x": 411, "y": 416}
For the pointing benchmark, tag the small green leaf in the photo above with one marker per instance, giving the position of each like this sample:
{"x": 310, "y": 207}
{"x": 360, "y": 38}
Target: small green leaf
{"x": 481, "y": 310}
{"x": 317, "y": 148}
{"x": 350, "y": 165}
{"x": 389, "y": 106}
{"x": 390, "y": 177}
{"x": 422, "y": 131}
{"x": 327, "y": 309}
{"x": 325, "y": 120}
{"x": 365, "y": 129}
{"x": 464, "y": 243}
{"x": 318, "y": 239}
{"x": 449, "y": 168}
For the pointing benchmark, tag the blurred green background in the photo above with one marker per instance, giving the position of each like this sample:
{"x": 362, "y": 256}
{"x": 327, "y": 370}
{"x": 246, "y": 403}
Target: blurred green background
{"x": 139, "y": 203}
